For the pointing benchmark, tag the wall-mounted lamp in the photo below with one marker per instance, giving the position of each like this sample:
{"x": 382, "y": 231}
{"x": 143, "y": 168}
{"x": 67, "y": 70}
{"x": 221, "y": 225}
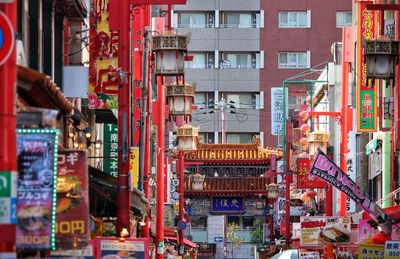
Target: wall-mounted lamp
{"x": 75, "y": 119}
{"x": 124, "y": 233}
{"x": 97, "y": 143}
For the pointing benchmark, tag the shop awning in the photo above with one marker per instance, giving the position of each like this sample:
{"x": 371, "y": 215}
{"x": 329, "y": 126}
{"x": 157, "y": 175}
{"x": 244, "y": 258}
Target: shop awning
{"x": 186, "y": 241}
{"x": 37, "y": 89}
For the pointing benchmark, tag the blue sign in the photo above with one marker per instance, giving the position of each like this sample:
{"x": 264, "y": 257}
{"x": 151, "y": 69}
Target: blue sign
{"x": 227, "y": 204}
{"x": 218, "y": 239}
{"x": 182, "y": 225}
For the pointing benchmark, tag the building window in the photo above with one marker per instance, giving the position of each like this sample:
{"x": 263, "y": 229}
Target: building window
{"x": 206, "y": 137}
{"x": 198, "y": 222}
{"x": 234, "y": 219}
{"x": 295, "y": 19}
{"x": 343, "y": 19}
{"x": 240, "y": 138}
{"x": 204, "y": 100}
{"x": 240, "y": 60}
{"x": 241, "y": 20}
{"x": 201, "y": 60}
{"x": 294, "y": 59}
{"x": 194, "y": 20}
{"x": 241, "y": 100}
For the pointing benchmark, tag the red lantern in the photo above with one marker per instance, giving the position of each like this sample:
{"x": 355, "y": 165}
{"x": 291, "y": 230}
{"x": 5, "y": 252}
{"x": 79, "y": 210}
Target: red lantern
{"x": 303, "y": 115}
{"x": 304, "y": 142}
{"x": 380, "y": 238}
{"x": 311, "y": 194}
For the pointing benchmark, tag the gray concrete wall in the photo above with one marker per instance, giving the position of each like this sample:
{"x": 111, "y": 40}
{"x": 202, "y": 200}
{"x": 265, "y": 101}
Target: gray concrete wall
{"x": 235, "y": 5}
{"x": 239, "y": 39}
{"x": 239, "y": 80}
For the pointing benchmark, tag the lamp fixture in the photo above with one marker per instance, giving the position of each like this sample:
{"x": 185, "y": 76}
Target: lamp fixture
{"x": 124, "y": 233}
{"x": 97, "y": 143}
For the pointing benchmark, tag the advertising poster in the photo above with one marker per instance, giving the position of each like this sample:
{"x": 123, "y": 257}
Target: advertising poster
{"x": 113, "y": 248}
{"x": 371, "y": 251}
{"x": 85, "y": 253}
{"x": 392, "y": 249}
{"x": 304, "y": 179}
{"x": 72, "y": 210}
{"x": 328, "y": 171}
{"x": 37, "y": 161}
{"x": 316, "y": 231}
{"x": 103, "y": 71}
{"x": 366, "y": 93}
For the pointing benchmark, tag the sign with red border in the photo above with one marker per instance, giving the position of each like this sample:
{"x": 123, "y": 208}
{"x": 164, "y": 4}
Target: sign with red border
{"x": 7, "y": 40}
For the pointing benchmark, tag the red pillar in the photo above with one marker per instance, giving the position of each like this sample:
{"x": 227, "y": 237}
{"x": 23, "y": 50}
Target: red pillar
{"x": 124, "y": 113}
{"x": 8, "y": 147}
{"x": 288, "y": 179}
{"x": 344, "y": 123}
{"x": 160, "y": 168}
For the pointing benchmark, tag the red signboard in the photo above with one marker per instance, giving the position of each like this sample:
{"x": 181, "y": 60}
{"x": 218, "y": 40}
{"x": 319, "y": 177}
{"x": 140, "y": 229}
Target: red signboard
{"x": 72, "y": 200}
{"x": 304, "y": 179}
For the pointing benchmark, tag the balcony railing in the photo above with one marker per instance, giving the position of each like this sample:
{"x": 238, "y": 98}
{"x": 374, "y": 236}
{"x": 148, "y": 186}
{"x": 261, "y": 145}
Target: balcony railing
{"x": 229, "y": 184}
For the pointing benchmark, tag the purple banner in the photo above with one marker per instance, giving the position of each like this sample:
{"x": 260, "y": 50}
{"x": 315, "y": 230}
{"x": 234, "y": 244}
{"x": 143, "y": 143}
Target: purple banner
{"x": 327, "y": 170}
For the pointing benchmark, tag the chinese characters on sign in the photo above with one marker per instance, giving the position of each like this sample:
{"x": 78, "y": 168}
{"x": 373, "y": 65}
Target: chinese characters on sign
{"x": 304, "y": 179}
{"x": 110, "y": 149}
{"x": 371, "y": 251}
{"x": 227, "y": 204}
{"x": 351, "y": 168}
{"x": 104, "y": 76}
{"x": 366, "y": 93}
{"x": 277, "y": 112}
{"x": 72, "y": 200}
{"x": 37, "y": 155}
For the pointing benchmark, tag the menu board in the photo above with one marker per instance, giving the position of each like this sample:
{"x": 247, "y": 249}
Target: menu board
{"x": 37, "y": 157}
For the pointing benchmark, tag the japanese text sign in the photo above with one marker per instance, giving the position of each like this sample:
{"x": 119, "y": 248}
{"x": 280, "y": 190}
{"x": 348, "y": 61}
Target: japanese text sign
{"x": 110, "y": 149}
{"x": 327, "y": 170}
{"x": 370, "y": 251}
{"x": 37, "y": 157}
{"x": 304, "y": 179}
{"x": 72, "y": 200}
{"x": 392, "y": 249}
{"x": 277, "y": 110}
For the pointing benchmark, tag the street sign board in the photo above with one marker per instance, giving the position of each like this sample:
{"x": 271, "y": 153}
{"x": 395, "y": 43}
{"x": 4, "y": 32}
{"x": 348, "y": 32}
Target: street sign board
{"x": 182, "y": 225}
{"x": 218, "y": 239}
{"x": 8, "y": 198}
{"x": 7, "y": 39}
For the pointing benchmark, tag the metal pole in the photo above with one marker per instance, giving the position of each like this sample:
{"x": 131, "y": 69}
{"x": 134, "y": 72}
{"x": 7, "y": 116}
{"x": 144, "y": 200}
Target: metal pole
{"x": 8, "y": 146}
{"x": 181, "y": 168}
{"x": 160, "y": 168}
{"x": 288, "y": 179}
{"x": 124, "y": 111}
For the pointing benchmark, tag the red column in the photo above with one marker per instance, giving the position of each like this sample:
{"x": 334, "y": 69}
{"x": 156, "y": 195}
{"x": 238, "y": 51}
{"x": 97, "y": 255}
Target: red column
{"x": 160, "y": 168}
{"x": 288, "y": 179}
{"x": 8, "y": 147}
{"x": 124, "y": 113}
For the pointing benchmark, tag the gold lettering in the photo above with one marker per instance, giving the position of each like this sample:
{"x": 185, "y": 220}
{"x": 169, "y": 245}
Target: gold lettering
{"x": 70, "y": 227}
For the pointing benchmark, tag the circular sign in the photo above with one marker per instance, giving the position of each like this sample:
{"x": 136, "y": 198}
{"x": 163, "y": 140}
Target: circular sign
{"x": 182, "y": 225}
{"x": 6, "y": 38}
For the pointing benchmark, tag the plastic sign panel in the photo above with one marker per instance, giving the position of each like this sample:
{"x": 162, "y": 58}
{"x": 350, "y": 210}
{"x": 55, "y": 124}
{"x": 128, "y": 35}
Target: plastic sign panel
{"x": 328, "y": 171}
{"x": 110, "y": 149}
{"x": 113, "y": 248}
{"x": 277, "y": 110}
{"x": 37, "y": 167}
{"x": 72, "y": 211}
{"x": 371, "y": 251}
{"x": 366, "y": 93}
{"x": 7, "y": 40}
{"x": 104, "y": 76}
{"x": 392, "y": 249}
{"x": 227, "y": 204}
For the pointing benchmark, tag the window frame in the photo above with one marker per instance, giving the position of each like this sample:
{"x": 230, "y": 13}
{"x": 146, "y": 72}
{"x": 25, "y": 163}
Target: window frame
{"x": 288, "y": 24}
{"x": 344, "y": 19}
{"x": 297, "y": 66}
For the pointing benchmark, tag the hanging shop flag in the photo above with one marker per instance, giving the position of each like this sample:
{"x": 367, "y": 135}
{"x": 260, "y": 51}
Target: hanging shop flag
{"x": 37, "y": 167}
{"x": 304, "y": 179}
{"x": 72, "y": 211}
{"x": 366, "y": 92}
{"x": 327, "y": 170}
{"x": 104, "y": 75}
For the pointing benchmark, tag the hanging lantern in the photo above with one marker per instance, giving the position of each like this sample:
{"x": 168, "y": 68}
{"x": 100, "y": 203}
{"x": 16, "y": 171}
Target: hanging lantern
{"x": 318, "y": 140}
{"x": 187, "y": 136}
{"x": 381, "y": 57}
{"x": 273, "y": 190}
{"x": 169, "y": 50}
{"x": 180, "y": 98}
{"x": 311, "y": 194}
{"x": 197, "y": 182}
{"x": 305, "y": 128}
{"x": 304, "y": 142}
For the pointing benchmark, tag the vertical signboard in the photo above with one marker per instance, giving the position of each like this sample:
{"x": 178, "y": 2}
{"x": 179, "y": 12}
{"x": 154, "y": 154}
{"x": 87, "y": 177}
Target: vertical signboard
{"x": 37, "y": 167}
{"x": 110, "y": 149}
{"x": 134, "y": 167}
{"x": 366, "y": 92}
{"x": 277, "y": 114}
{"x": 351, "y": 168}
{"x": 104, "y": 75}
{"x": 304, "y": 179}
{"x": 8, "y": 197}
{"x": 72, "y": 211}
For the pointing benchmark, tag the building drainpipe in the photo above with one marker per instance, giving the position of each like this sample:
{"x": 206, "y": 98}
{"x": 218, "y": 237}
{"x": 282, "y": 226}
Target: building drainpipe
{"x": 8, "y": 146}
{"x": 386, "y": 156}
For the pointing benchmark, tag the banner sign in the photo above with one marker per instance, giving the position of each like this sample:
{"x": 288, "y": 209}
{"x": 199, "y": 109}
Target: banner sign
{"x": 37, "y": 167}
{"x": 327, "y": 170}
{"x": 104, "y": 76}
{"x": 134, "y": 167}
{"x": 371, "y": 251}
{"x": 227, "y": 204}
{"x": 277, "y": 114}
{"x": 366, "y": 94}
{"x": 351, "y": 167}
{"x": 304, "y": 179}
{"x": 72, "y": 231}
{"x": 316, "y": 231}
{"x": 137, "y": 248}
{"x": 110, "y": 149}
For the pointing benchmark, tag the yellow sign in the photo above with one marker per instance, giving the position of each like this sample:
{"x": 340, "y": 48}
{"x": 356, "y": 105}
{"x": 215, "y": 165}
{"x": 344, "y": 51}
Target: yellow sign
{"x": 371, "y": 251}
{"x": 134, "y": 166}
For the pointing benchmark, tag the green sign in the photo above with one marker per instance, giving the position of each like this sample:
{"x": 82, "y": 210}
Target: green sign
{"x": 5, "y": 184}
{"x": 110, "y": 149}
{"x": 8, "y": 197}
{"x": 367, "y": 110}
